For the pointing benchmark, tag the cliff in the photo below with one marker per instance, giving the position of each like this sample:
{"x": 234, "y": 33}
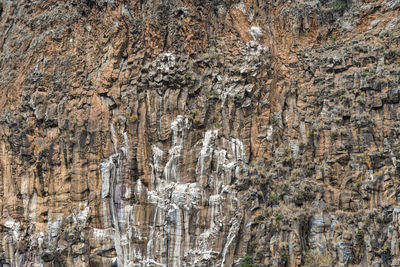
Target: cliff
{"x": 200, "y": 133}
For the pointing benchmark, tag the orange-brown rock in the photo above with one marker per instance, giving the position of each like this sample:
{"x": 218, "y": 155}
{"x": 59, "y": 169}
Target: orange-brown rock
{"x": 199, "y": 133}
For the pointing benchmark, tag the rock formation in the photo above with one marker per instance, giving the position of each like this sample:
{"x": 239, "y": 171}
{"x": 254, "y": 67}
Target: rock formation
{"x": 200, "y": 133}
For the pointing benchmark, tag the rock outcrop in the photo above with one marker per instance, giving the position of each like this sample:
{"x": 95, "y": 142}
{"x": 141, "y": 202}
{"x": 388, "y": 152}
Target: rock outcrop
{"x": 200, "y": 133}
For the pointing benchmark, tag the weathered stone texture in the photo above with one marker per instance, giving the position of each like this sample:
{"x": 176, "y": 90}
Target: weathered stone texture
{"x": 193, "y": 133}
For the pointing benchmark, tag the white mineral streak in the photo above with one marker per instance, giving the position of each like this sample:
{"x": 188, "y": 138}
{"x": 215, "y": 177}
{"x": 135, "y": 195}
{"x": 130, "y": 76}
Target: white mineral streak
{"x": 8, "y": 241}
{"x": 165, "y": 61}
{"x": 233, "y": 231}
{"x": 238, "y": 149}
{"x": 168, "y": 237}
{"x": 241, "y": 7}
{"x": 126, "y": 144}
{"x": 156, "y": 168}
{"x": 255, "y": 32}
{"x": 205, "y": 151}
{"x": 116, "y": 213}
{"x": 177, "y": 127}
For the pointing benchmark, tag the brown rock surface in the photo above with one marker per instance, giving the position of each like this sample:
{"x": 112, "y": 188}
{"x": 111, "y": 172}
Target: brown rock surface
{"x": 193, "y": 133}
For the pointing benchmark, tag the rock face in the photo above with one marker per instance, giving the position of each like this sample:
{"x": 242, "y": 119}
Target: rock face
{"x": 200, "y": 133}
